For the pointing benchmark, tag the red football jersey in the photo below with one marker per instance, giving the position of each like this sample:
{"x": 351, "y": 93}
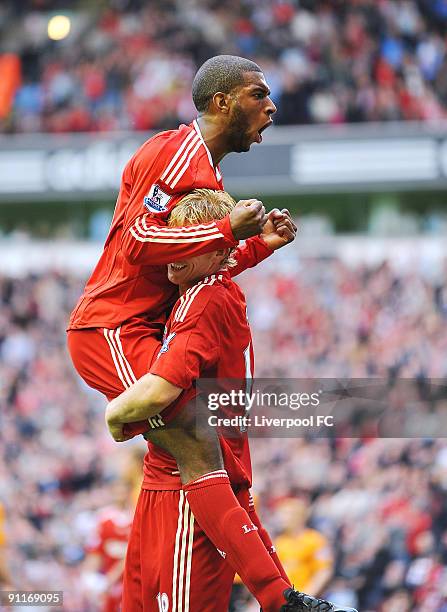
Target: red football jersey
{"x": 130, "y": 278}
{"x": 206, "y": 336}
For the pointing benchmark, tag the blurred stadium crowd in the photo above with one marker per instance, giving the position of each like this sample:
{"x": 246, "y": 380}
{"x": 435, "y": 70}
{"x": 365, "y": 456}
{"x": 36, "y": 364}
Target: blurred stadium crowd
{"x": 128, "y": 64}
{"x": 382, "y": 504}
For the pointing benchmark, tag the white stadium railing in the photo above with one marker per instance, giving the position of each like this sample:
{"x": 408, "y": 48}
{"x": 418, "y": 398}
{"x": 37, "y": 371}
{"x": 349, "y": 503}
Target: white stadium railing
{"x": 292, "y": 160}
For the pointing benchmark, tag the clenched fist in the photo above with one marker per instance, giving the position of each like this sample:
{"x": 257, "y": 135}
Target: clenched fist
{"x": 247, "y": 219}
{"x": 279, "y": 229}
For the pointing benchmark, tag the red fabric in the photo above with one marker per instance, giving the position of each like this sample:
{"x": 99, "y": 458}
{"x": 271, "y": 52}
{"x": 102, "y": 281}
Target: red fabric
{"x": 130, "y": 278}
{"x": 152, "y": 553}
{"x": 267, "y": 541}
{"x": 229, "y": 527}
{"x": 93, "y": 356}
{"x": 249, "y": 254}
{"x": 212, "y": 341}
{"x": 217, "y": 309}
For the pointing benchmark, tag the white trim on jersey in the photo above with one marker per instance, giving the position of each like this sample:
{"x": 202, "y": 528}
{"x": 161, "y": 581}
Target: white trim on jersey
{"x": 181, "y": 160}
{"x": 190, "y": 295}
{"x": 176, "y": 548}
{"x": 179, "y": 230}
{"x": 251, "y": 501}
{"x": 184, "y": 541}
{"x": 184, "y": 161}
{"x": 177, "y": 155}
{"x": 122, "y": 366}
{"x": 143, "y": 232}
{"x": 174, "y": 240}
{"x": 185, "y": 166}
{"x": 181, "y": 574}
{"x": 172, "y": 232}
{"x": 215, "y": 168}
{"x": 172, "y": 174}
{"x": 189, "y": 560}
{"x": 211, "y": 475}
{"x": 123, "y": 356}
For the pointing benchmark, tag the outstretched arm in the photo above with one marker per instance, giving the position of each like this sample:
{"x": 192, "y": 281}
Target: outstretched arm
{"x": 148, "y": 241}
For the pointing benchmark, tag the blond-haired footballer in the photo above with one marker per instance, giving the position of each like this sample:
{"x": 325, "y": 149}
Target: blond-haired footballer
{"x": 195, "y": 523}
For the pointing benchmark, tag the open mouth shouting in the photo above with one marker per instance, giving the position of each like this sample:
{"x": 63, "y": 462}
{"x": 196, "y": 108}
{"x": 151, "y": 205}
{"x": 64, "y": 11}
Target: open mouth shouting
{"x": 259, "y": 132}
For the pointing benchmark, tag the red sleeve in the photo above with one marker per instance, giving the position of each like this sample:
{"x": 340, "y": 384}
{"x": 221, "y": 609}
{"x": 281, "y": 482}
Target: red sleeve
{"x": 249, "y": 254}
{"x": 157, "y": 177}
{"x": 193, "y": 344}
{"x": 148, "y": 241}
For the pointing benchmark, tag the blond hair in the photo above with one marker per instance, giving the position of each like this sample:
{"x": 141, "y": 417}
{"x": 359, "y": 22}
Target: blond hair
{"x": 203, "y": 206}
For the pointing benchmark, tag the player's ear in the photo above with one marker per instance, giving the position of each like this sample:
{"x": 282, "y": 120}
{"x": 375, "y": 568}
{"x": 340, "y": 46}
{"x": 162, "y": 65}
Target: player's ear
{"x": 222, "y": 102}
{"x": 222, "y": 254}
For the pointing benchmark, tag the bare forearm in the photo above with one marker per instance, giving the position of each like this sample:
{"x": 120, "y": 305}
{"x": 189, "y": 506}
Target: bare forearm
{"x": 135, "y": 404}
{"x": 146, "y": 398}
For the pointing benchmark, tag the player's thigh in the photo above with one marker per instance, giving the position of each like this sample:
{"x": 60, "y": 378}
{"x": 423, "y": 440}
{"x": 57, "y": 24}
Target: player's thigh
{"x": 180, "y": 567}
{"x": 111, "y": 360}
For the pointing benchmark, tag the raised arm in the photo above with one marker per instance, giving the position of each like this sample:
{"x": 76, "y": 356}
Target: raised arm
{"x": 148, "y": 241}
{"x": 148, "y": 194}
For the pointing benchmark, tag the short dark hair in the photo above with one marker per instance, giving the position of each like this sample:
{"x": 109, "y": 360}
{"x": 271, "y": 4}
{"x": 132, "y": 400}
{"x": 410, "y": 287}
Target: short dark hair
{"x": 219, "y": 73}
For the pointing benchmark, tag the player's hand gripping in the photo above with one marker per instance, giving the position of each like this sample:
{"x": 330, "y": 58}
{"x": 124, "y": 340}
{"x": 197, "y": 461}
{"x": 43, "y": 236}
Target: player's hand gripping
{"x": 117, "y": 432}
{"x": 247, "y": 219}
{"x": 279, "y": 229}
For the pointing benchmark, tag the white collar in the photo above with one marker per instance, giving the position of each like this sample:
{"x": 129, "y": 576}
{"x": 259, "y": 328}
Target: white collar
{"x": 215, "y": 168}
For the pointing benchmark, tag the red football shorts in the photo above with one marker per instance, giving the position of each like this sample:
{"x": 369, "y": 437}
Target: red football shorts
{"x": 171, "y": 565}
{"x": 111, "y": 360}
